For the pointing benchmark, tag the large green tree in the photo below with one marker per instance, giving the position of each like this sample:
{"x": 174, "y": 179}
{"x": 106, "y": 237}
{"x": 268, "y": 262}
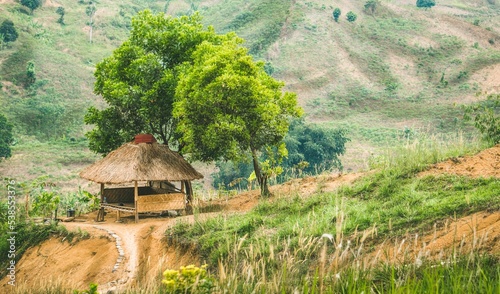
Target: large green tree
{"x": 228, "y": 106}
{"x": 138, "y": 80}
{"x": 6, "y": 138}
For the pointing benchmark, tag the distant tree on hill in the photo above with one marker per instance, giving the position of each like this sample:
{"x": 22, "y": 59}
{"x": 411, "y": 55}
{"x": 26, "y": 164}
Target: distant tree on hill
{"x": 336, "y": 14}
{"x": 32, "y": 4}
{"x": 6, "y": 138}
{"x": 60, "y": 10}
{"x": 426, "y": 3}
{"x": 371, "y": 6}
{"x": 351, "y": 16}
{"x": 8, "y": 31}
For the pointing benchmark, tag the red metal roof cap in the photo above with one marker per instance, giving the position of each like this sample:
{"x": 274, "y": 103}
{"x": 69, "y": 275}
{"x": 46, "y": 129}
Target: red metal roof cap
{"x": 144, "y": 138}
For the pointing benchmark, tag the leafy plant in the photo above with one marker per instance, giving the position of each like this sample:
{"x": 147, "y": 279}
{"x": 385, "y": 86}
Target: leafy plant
{"x": 426, "y": 3}
{"x": 228, "y": 106}
{"x": 371, "y": 6}
{"x": 189, "y": 279}
{"x": 6, "y": 138}
{"x": 60, "y": 10}
{"x": 351, "y": 16}
{"x": 486, "y": 117}
{"x": 336, "y": 14}
{"x": 92, "y": 290}
{"x": 32, "y": 4}
{"x": 8, "y": 31}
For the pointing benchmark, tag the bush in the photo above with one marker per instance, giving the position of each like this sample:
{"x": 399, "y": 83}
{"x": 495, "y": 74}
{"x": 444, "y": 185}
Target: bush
{"x": 5, "y": 137}
{"x": 351, "y": 16}
{"x": 336, "y": 14}
{"x": 426, "y": 3}
{"x": 189, "y": 279}
{"x": 8, "y": 31}
{"x": 32, "y": 4}
{"x": 486, "y": 117}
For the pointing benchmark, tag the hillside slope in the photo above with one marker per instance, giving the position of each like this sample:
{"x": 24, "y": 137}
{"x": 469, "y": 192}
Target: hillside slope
{"x": 398, "y": 69}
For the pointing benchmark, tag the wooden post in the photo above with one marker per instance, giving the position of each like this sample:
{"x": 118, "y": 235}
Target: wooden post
{"x": 100, "y": 213}
{"x": 117, "y": 215}
{"x": 189, "y": 197}
{"x": 136, "y": 197}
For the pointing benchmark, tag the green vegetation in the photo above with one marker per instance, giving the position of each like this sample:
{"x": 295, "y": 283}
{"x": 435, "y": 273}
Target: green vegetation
{"x": 6, "y": 138}
{"x": 286, "y": 239}
{"x": 426, "y": 3}
{"x": 8, "y": 31}
{"x": 139, "y": 80}
{"x": 228, "y": 107}
{"x": 351, "y": 16}
{"x": 61, "y": 11}
{"x": 336, "y": 14}
{"x": 32, "y": 4}
{"x": 486, "y": 117}
{"x": 188, "y": 279}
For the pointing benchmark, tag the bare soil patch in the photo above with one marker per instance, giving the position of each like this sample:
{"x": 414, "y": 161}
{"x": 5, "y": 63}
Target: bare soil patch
{"x": 484, "y": 164}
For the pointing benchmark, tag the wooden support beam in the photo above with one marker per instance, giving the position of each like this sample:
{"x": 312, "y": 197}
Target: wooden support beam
{"x": 136, "y": 197}
{"x": 100, "y": 213}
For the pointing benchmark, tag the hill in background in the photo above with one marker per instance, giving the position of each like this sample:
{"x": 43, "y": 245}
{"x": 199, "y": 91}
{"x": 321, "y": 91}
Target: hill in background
{"x": 395, "y": 72}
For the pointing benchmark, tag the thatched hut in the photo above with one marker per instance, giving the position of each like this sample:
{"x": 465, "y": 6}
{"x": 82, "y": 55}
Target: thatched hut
{"x": 150, "y": 167}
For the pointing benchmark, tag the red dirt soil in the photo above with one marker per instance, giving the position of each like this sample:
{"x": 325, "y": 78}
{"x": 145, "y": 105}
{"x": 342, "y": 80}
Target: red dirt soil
{"x": 147, "y": 253}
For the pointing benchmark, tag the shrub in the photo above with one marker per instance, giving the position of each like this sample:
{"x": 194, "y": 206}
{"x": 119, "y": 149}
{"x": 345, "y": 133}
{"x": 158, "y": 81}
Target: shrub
{"x": 8, "y": 31}
{"x": 189, "y": 279}
{"x": 336, "y": 14}
{"x": 426, "y": 3}
{"x": 486, "y": 117}
{"x": 5, "y": 137}
{"x": 32, "y": 4}
{"x": 351, "y": 16}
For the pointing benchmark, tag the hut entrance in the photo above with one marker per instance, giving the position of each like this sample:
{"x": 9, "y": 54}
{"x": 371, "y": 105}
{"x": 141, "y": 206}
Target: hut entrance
{"x": 151, "y": 168}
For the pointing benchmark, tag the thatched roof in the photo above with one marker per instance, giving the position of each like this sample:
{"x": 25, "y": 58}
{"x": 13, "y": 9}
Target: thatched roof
{"x": 140, "y": 162}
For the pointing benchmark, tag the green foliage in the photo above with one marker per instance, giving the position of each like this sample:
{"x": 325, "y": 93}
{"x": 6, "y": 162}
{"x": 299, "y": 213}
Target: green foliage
{"x": 30, "y": 73}
{"x": 8, "y": 31}
{"x": 228, "y": 106}
{"x": 231, "y": 175}
{"x": 60, "y": 10}
{"x": 426, "y": 3}
{"x": 486, "y": 117}
{"x": 42, "y": 115}
{"x": 6, "y": 138}
{"x": 138, "y": 81}
{"x": 92, "y": 290}
{"x": 32, "y": 4}
{"x": 336, "y": 14}
{"x": 317, "y": 146}
{"x": 371, "y": 6}
{"x": 189, "y": 279}
{"x": 351, "y": 16}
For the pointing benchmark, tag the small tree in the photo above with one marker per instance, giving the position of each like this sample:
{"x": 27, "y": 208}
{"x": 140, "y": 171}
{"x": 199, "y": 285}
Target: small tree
{"x": 351, "y": 16}
{"x": 32, "y": 4}
{"x": 371, "y": 6}
{"x": 90, "y": 11}
{"x": 60, "y": 10}
{"x": 5, "y": 137}
{"x": 336, "y": 14}
{"x": 486, "y": 117}
{"x": 30, "y": 73}
{"x": 426, "y": 3}
{"x": 8, "y": 31}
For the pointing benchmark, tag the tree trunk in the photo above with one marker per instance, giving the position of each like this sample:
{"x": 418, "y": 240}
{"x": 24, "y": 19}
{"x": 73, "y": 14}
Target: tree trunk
{"x": 262, "y": 180}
